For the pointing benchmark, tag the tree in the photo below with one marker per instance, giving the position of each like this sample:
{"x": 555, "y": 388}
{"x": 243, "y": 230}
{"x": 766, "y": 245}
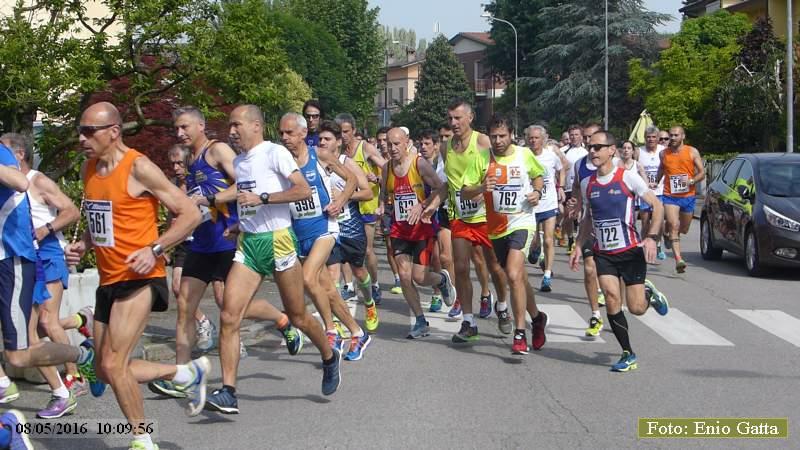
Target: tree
{"x": 441, "y": 79}
{"x": 406, "y": 43}
{"x": 680, "y": 88}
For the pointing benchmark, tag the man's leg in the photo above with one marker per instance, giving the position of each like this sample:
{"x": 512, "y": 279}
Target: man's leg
{"x": 49, "y": 321}
{"x": 312, "y": 267}
{"x": 410, "y": 293}
{"x": 191, "y": 292}
{"x": 672, "y": 216}
{"x": 234, "y": 304}
{"x": 290, "y": 286}
{"x": 372, "y": 260}
{"x": 476, "y": 255}
{"x": 462, "y": 255}
{"x": 64, "y": 404}
{"x": 549, "y": 228}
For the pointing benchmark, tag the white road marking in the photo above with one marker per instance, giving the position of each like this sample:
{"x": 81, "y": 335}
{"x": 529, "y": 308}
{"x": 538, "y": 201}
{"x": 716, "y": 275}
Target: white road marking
{"x": 774, "y": 322}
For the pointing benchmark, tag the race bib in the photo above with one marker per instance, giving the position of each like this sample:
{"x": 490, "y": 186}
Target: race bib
{"x": 610, "y": 234}
{"x": 246, "y": 211}
{"x": 679, "y": 184}
{"x": 651, "y": 177}
{"x": 99, "y": 218}
{"x": 307, "y": 208}
{"x": 507, "y": 198}
{"x": 545, "y": 191}
{"x": 466, "y": 208}
{"x": 344, "y": 216}
{"x": 402, "y": 206}
{"x": 205, "y": 214}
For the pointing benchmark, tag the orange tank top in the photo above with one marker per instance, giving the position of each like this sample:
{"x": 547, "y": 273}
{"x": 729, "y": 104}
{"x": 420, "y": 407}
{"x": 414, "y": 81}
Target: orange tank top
{"x": 678, "y": 169}
{"x": 118, "y": 223}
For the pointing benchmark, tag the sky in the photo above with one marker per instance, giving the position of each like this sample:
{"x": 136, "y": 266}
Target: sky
{"x": 455, "y": 16}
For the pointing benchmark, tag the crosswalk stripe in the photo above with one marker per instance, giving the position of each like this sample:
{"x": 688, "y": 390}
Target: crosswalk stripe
{"x": 774, "y": 322}
{"x": 679, "y": 329}
{"x": 566, "y": 325}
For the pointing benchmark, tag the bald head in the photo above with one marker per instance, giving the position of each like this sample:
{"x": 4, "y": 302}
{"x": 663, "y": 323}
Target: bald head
{"x": 397, "y": 141}
{"x": 251, "y": 113}
{"x": 246, "y": 127}
{"x": 102, "y": 113}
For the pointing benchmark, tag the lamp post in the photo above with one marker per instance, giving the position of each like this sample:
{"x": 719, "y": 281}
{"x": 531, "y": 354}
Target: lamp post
{"x": 605, "y": 92}
{"x": 385, "y": 119}
{"x": 489, "y": 16}
{"x": 789, "y": 79}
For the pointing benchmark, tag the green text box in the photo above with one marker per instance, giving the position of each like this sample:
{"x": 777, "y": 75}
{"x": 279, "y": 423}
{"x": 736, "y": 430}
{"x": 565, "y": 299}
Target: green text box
{"x": 713, "y": 427}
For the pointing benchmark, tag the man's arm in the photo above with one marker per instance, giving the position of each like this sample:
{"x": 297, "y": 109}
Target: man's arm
{"x": 350, "y": 184}
{"x": 438, "y": 189}
{"x": 483, "y": 142}
{"x": 12, "y": 178}
{"x": 699, "y": 170}
{"x": 363, "y": 193}
{"x": 220, "y": 155}
{"x": 373, "y": 155}
{"x": 384, "y": 189}
{"x": 660, "y": 173}
{"x": 300, "y": 190}
{"x": 52, "y": 196}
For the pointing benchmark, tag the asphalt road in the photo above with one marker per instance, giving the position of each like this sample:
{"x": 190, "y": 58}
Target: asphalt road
{"x": 730, "y": 347}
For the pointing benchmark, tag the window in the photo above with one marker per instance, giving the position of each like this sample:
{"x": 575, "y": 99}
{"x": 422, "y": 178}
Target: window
{"x": 729, "y": 176}
{"x": 746, "y": 172}
{"x": 402, "y": 99}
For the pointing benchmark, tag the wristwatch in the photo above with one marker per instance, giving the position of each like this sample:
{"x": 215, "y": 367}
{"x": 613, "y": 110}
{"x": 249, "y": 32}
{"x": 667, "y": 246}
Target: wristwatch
{"x": 50, "y": 228}
{"x": 158, "y": 250}
{"x": 652, "y": 236}
{"x": 265, "y": 198}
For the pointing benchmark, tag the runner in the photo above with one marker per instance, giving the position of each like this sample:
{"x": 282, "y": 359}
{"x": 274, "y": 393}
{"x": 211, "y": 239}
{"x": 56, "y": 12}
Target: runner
{"x": 618, "y": 250}
{"x": 52, "y": 211}
{"x": 12, "y": 431}
{"x": 314, "y": 220}
{"x": 416, "y": 192}
{"x": 267, "y": 179}
{"x": 649, "y": 157}
{"x": 122, "y": 189}
{"x": 370, "y": 161}
{"x": 312, "y": 111}
{"x": 554, "y": 163}
{"x": 573, "y": 152}
{"x": 681, "y": 169}
{"x": 511, "y": 181}
{"x": 468, "y": 223}
{"x": 386, "y": 210}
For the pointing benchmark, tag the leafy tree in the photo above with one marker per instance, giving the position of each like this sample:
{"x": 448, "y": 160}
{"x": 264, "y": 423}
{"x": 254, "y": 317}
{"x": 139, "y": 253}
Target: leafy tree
{"x": 680, "y": 88}
{"x": 406, "y": 42}
{"x": 441, "y": 79}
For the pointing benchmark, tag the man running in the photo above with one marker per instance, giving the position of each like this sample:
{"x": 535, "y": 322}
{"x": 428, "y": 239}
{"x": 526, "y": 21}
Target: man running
{"x": 511, "y": 181}
{"x": 122, "y": 190}
{"x": 267, "y": 180}
{"x": 573, "y": 152}
{"x": 650, "y": 159}
{"x": 618, "y": 250}
{"x": 312, "y": 111}
{"x": 416, "y": 192}
{"x": 381, "y": 142}
{"x": 468, "y": 222}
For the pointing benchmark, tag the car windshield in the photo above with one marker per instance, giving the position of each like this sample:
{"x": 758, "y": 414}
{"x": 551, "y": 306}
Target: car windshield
{"x": 780, "y": 178}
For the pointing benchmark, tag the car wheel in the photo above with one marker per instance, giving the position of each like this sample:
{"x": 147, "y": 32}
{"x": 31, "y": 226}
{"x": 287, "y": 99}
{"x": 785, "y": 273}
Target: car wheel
{"x": 751, "y": 258}
{"x": 707, "y": 249}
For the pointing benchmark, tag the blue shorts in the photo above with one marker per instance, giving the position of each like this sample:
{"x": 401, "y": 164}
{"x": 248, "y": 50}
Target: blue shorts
{"x": 56, "y": 270}
{"x": 369, "y": 218}
{"x": 17, "y": 278}
{"x": 304, "y": 246}
{"x": 542, "y": 216}
{"x": 644, "y": 207}
{"x": 685, "y": 203}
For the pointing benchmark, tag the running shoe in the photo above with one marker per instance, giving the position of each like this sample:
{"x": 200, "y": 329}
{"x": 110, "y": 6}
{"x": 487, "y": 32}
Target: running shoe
{"x": 75, "y": 385}
{"x": 377, "y": 297}
{"x": 371, "y": 320}
{"x": 541, "y": 262}
{"x": 138, "y": 445}
{"x": 58, "y": 407}
{"x": 88, "y": 373}
{"x": 455, "y": 311}
{"x": 667, "y": 242}
{"x": 196, "y": 389}
{"x": 486, "y": 306}
{"x": 661, "y": 256}
{"x": 396, "y": 289}
{"x": 293, "y": 338}
{"x": 9, "y": 394}
{"x": 14, "y": 421}
{"x": 626, "y": 363}
{"x": 447, "y": 289}
{"x": 466, "y": 334}
{"x": 601, "y": 298}
{"x": 420, "y": 329}
{"x": 206, "y": 335}
{"x": 503, "y": 320}
{"x": 657, "y": 300}
{"x": 223, "y": 400}
{"x": 357, "y": 347}
{"x": 547, "y": 284}
{"x": 533, "y": 255}
{"x": 595, "y": 326}
{"x": 436, "y": 303}
{"x": 349, "y": 294}
{"x": 165, "y": 387}
{"x": 332, "y": 374}
{"x": 88, "y": 324}
{"x": 334, "y": 340}
{"x": 520, "y": 344}
{"x": 337, "y": 324}
{"x": 539, "y": 324}
{"x": 242, "y": 351}
{"x": 557, "y": 235}
{"x": 680, "y": 266}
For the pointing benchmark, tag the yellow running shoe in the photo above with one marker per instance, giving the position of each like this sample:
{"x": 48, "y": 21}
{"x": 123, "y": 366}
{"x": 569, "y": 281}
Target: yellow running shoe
{"x": 343, "y": 332}
{"x": 396, "y": 289}
{"x": 371, "y": 318}
{"x": 595, "y": 327}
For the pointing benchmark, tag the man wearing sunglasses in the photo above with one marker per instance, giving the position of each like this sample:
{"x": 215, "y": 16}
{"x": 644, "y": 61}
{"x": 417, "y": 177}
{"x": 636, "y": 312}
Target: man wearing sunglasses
{"x": 312, "y": 111}
{"x": 618, "y": 250}
{"x": 649, "y": 157}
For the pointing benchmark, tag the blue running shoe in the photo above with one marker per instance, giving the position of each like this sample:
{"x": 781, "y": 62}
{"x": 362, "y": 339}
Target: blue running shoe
{"x": 661, "y": 256}
{"x": 376, "y": 294}
{"x": 334, "y": 340}
{"x": 436, "y": 303}
{"x": 447, "y": 288}
{"x": 349, "y": 295}
{"x": 224, "y": 401}
{"x": 486, "y": 306}
{"x": 547, "y": 283}
{"x": 455, "y": 311}
{"x": 88, "y": 373}
{"x": 293, "y": 338}
{"x": 332, "y": 374}
{"x": 626, "y": 363}
{"x": 357, "y": 347}
{"x": 533, "y": 255}
{"x": 15, "y": 422}
{"x": 657, "y": 300}
{"x": 419, "y": 330}
{"x": 196, "y": 389}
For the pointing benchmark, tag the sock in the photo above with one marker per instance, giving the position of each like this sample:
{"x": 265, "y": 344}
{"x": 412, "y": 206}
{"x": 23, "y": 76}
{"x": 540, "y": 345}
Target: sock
{"x": 5, "y": 436}
{"x": 62, "y": 391}
{"x": 81, "y": 319}
{"x": 331, "y": 331}
{"x": 349, "y": 286}
{"x": 283, "y": 322}
{"x": 5, "y": 382}
{"x": 548, "y": 273}
{"x": 596, "y": 314}
{"x": 470, "y": 319}
{"x": 183, "y": 374}
{"x": 397, "y": 279}
{"x": 83, "y": 355}
{"x": 358, "y": 334}
{"x": 328, "y": 362}
{"x": 229, "y": 388}
{"x": 376, "y": 285}
{"x": 501, "y": 306}
{"x": 620, "y": 327}
{"x": 144, "y": 439}
{"x": 421, "y": 318}
{"x": 366, "y": 291}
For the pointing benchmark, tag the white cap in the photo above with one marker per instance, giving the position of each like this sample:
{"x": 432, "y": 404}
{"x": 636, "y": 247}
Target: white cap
{"x": 405, "y": 130}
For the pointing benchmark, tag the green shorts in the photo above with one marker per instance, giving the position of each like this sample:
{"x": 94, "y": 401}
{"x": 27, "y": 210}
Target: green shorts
{"x": 266, "y": 253}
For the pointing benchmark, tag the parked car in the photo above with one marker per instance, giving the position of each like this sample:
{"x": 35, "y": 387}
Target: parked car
{"x": 752, "y": 209}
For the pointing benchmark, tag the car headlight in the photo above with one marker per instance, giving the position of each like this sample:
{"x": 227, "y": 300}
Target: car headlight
{"x": 779, "y": 220}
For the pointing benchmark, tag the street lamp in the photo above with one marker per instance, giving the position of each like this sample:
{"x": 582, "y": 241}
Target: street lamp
{"x": 489, "y": 16}
{"x": 789, "y": 79}
{"x": 605, "y": 92}
{"x": 385, "y": 120}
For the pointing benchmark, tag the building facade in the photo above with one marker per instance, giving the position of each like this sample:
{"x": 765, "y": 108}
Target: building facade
{"x": 774, "y": 9}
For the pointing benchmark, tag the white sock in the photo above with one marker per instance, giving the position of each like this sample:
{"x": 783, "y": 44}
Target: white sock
{"x": 358, "y": 334}
{"x": 203, "y": 319}
{"x": 501, "y": 306}
{"x": 548, "y": 273}
{"x": 376, "y": 284}
{"x": 183, "y": 374}
{"x": 397, "y": 279}
{"x": 596, "y": 314}
{"x": 5, "y": 382}
{"x": 61, "y": 392}
{"x": 470, "y": 319}
{"x": 144, "y": 439}
{"x": 349, "y": 286}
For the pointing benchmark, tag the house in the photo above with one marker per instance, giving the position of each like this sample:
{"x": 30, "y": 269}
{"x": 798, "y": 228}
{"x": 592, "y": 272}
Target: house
{"x": 774, "y": 9}
{"x": 471, "y": 48}
{"x": 399, "y": 87}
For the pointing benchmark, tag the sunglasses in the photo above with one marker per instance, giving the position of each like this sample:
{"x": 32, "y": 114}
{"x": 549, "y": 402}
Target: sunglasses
{"x": 90, "y": 130}
{"x": 597, "y": 147}
{"x": 311, "y": 116}
{"x": 663, "y": 139}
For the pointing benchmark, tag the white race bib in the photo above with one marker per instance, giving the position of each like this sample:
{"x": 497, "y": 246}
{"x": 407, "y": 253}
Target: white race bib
{"x": 651, "y": 177}
{"x": 545, "y": 191}
{"x": 100, "y": 221}
{"x": 679, "y": 184}
{"x": 507, "y": 198}
{"x": 610, "y": 234}
{"x": 344, "y": 216}
{"x": 307, "y": 208}
{"x": 402, "y": 206}
{"x": 246, "y": 211}
{"x": 205, "y": 214}
{"x": 467, "y": 208}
